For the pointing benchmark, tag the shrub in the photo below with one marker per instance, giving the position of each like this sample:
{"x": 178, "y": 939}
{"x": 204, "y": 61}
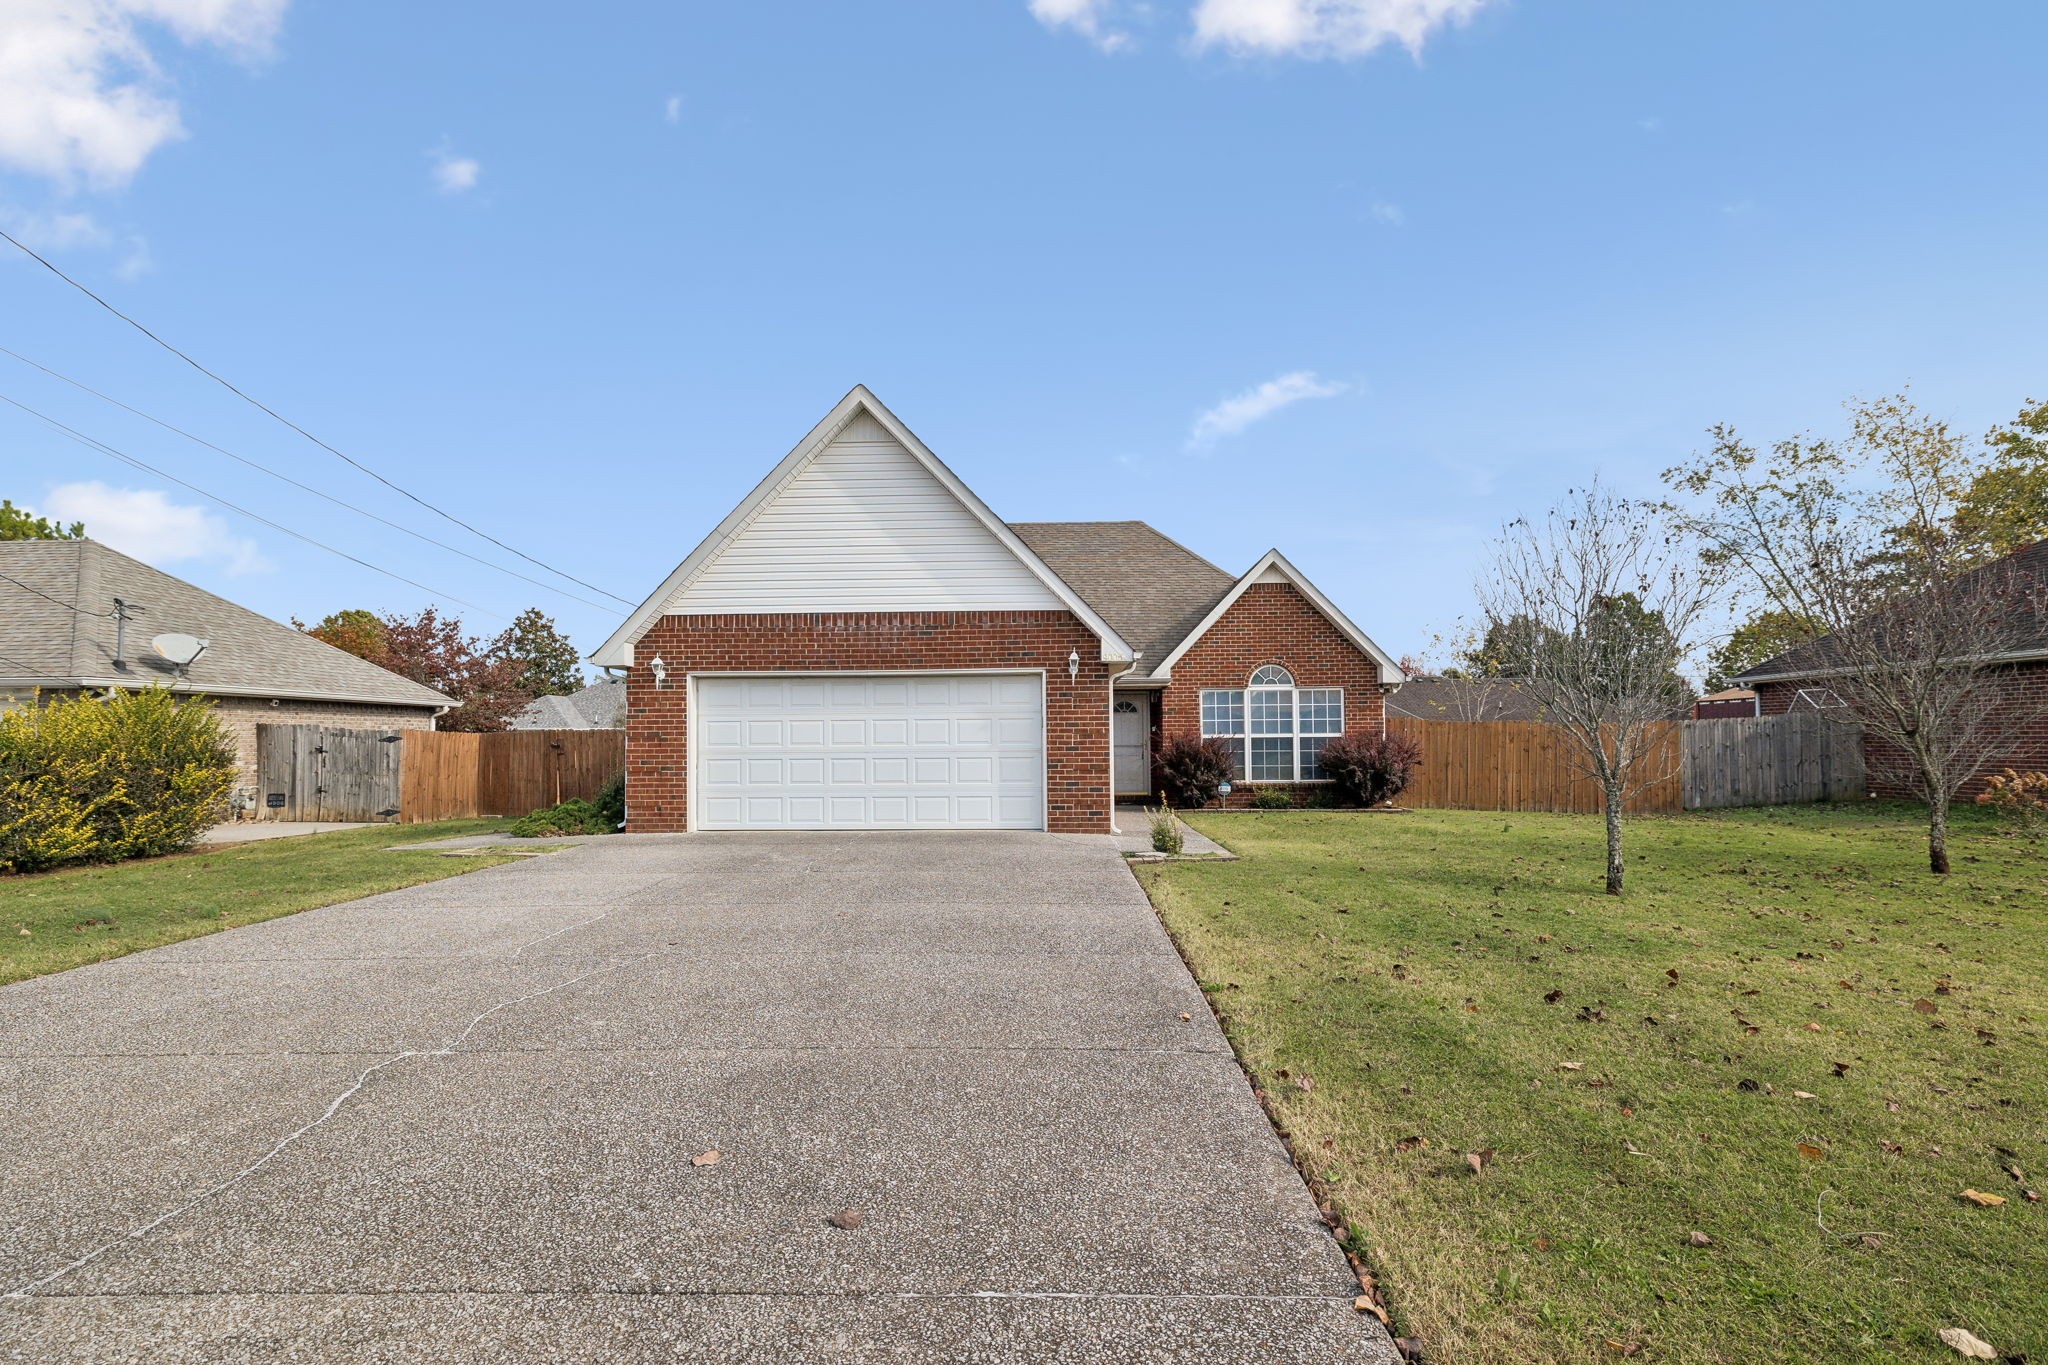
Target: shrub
{"x": 573, "y": 816}
{"x": 1165, "y": 830}
{"x": 2021, "y": 798}
{"x": 1365, "y": 770}
{"x": 611, "y": 802}
{"x": 1192, "y": 768}
{"x": 1273, "y": 798}
{"x": 101, "y": 778}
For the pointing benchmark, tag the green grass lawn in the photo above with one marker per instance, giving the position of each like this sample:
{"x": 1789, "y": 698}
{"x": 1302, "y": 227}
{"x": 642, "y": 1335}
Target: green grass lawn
{"x": 54, "y": 920}
{"x": 1787, "y": 1036}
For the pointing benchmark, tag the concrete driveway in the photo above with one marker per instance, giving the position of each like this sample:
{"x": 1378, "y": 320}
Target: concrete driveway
{"x": 457, "y": 1123}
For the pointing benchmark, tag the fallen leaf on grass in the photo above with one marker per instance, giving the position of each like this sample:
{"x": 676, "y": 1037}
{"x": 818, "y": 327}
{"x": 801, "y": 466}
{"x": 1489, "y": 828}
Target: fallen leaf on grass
{"x": 1624, "y": 1348}
{"x": 1804, "y": 1095}
{"x": 1409, "y": 1144}
{"x": 1813, "y": 1153}
{"x": 1304, "y": 1083}
{"x": 1552, "y": 997}
{"x": 1841, "y": 1068}
{"x": 1364, "y": 1304}
{"x": 1925, "y": 1006}
{"x": 1477, "y": 1160}
{"x": 1891, "y": 1148}
{"x": 1966, "y": 1344}
{"x": 1813, "y": 1028}
{"x": 1989, "y": 1201}
{"x": 1699, "y": 1239}
{"x": 708, "y": 1157}
{"x": 1571, "y": 1066}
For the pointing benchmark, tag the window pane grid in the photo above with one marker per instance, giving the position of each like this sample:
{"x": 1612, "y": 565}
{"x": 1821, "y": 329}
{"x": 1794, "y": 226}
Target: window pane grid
{"x": 1272, "y": 712}
{"x": 1222, "y": 712}
{"x": 1322, "y": 710}
{"x": 1272, "y": 760}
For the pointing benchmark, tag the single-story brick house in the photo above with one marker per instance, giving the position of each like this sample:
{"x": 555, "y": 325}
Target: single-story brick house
{"x": 61, "y": 633}
{"x": 1803, "y": 678}
{"x": 863, "y": 644}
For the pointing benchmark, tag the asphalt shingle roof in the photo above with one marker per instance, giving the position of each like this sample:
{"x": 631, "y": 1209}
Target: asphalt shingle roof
{"x": 2028, "y": 621}
{"x": 44, "y": 642}
{"x": 1465, "y": 699}
{"x": 1151, "y": 589}
{"x": 596, "y": 707}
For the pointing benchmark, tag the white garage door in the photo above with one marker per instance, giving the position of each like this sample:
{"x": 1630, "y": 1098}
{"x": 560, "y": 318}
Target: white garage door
{"x": 938, "y": 751}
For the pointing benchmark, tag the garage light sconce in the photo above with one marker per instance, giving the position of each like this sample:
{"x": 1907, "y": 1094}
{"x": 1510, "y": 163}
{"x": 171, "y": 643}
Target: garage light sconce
{"x": 659, "y": 670}
{"x": 1073, "y": 664}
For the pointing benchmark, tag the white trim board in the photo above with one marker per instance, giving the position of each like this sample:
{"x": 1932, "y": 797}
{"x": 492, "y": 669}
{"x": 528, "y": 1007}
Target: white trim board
{"x": 1273, "y": 567}
{"x": 617, "y": 652}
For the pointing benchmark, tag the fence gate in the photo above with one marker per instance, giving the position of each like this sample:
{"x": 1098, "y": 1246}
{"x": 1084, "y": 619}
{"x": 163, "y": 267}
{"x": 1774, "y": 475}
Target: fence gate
{"x": 313, "y": 772}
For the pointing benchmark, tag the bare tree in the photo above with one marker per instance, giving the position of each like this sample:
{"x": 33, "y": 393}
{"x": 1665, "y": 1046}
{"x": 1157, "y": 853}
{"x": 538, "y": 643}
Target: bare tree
{"x": 1859, "y": 536}
{"x": 1608, "y": 603}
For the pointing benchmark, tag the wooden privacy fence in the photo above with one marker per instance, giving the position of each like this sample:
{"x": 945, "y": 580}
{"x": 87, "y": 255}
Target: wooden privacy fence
{"x": 317, "y": 772}
{"x": 446, "y": 776}
{"x": 1532, "y": 765}
{"x": 1515, "y": 765}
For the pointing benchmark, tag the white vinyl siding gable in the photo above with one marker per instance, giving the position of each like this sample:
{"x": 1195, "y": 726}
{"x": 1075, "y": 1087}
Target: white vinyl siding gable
{"x": 863, "y": 527}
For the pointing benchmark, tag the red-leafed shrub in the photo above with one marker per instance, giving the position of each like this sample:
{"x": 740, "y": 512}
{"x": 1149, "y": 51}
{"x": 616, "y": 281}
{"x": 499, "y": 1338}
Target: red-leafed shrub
{"x": 1192, "y": 768}
{"x": 1365, "y": 770}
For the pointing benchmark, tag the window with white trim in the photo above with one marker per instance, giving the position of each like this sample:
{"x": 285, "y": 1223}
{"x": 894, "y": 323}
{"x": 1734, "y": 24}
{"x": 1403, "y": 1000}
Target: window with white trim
{"x": 1277, "y": 729}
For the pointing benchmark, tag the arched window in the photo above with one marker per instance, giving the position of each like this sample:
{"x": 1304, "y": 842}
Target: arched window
{"x": 1277, "y": 729}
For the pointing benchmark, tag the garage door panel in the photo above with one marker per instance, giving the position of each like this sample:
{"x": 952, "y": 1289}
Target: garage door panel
{"x": 939, "y": 751}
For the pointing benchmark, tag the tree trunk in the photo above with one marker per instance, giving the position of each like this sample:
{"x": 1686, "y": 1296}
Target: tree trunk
{"x": 1937, "y": 834}
{"x": 1614, "y": 866}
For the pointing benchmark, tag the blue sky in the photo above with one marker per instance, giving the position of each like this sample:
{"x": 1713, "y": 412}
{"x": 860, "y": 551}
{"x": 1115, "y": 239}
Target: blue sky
{"x": 1423, "y": 264}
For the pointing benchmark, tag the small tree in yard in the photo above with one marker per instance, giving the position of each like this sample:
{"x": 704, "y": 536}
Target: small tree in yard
{"x": 1870, "y": 539}
{"x": 1606, "y": 602}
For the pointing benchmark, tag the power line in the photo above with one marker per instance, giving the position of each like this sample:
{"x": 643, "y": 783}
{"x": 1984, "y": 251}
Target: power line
{"x": 306, "y": 488}
{"x": 71, "y": 606}
{"x": 272, "y": 412}
{"x": 93, "y": 443}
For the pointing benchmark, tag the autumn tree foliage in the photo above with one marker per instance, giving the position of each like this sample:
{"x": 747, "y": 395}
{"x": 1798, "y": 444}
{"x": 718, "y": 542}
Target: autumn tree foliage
{"x": 353, "y": 631}
{"x": 432, "y": 650}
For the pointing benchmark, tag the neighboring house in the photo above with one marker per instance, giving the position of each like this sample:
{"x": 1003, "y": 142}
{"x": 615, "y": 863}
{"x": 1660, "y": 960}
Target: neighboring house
{"x": 862, "y": 644}
{"x": 1730, "y": 703}
{"x": 1472, "y": 699}
{"x": 1801, "y": 678}
{"x": 600, "y": 706}
{"x": 61, "y": 633}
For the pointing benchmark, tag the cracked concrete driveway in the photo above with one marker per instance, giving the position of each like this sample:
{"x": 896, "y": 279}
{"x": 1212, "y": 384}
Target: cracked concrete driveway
{"x": 456, "y": 1123}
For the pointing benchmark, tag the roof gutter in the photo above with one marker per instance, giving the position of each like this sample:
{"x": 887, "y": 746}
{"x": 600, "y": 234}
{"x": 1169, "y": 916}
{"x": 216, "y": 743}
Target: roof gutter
{"x": 2020, "y": 656}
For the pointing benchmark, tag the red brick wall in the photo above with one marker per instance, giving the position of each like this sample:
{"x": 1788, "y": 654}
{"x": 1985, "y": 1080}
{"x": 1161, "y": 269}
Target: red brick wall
{"x": 1077, "y": 711}
{"x": 2027, "y": 686}
{"x": 1272, "y": 623}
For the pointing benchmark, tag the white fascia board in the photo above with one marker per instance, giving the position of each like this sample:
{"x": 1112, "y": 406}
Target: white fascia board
{"x": 617, "y": 652}
{"x": 1390, "y": 668}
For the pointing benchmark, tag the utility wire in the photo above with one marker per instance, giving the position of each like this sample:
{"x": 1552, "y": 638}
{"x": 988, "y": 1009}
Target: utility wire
{"x": 69, "y": 606}
{"x": 272, "y": 412}
{"x": 304, "y": 488}
{"x": 101, "y": 446}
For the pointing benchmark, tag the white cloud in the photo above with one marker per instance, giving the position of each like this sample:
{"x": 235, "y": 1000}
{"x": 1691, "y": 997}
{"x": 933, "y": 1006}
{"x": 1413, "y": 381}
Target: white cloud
{"x": 454, "y": 174}
{"x": 673, "y": 110}
{"x": 82, "y": 97}
{"x": 136, "y": 261}
{"x": 145, "y": 523}
{"x": 1089, "y": 18}
{"x": 1234, "y": 414}
{"x": 48, "y": 232}
{"x": 1324, "y": 28}
{"x": 1390, "y": 214}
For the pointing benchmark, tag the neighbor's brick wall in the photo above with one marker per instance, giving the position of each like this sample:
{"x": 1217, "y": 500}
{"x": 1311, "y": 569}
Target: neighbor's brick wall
{"x": 241, "y": 715}
{"x": 2026, "y": 685}
{"x": 1272, "y": 623}
{"x": 1077, "y": 711}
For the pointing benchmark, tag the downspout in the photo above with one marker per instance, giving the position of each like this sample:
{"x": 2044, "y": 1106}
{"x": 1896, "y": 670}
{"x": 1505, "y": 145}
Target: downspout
{"x": 1136, "y": 655}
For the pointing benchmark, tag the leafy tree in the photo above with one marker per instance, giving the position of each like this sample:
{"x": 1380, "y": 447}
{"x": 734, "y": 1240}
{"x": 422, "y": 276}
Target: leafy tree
{"x": 1763, "y": 636}
{"x": 18, "y": 523}
{"x": 1506, "y": 650}
{"x": 2005, "y": 505}
{"x": 353, "y": 630}
{"x": 550, "y": 666}
{"x": 432, "y": 650}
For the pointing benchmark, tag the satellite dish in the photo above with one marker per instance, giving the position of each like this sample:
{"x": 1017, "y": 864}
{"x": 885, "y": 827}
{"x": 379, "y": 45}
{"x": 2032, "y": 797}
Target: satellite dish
{"x": 178, "y": 648}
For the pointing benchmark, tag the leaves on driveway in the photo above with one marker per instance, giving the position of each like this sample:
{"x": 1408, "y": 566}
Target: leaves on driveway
{"x": 707, "y": 1157}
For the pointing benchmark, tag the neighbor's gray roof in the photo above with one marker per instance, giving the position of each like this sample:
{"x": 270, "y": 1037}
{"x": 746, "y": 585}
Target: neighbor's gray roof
{"x": 2023, "y": 575}
{"x": 44, "y": 642}
{"x": 1151, "y": 590}
{"x": 596, "y": 707}
{"x": 1465, "y": 699}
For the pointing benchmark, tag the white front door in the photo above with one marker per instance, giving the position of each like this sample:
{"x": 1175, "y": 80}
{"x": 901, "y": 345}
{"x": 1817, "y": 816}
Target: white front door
{"x": 889, "y": 751}
{"x": 1131, "y": 740}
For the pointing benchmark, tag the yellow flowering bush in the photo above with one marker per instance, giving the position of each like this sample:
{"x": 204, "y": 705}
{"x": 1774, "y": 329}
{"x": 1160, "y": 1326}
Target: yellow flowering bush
{"x": 102, "y": 778}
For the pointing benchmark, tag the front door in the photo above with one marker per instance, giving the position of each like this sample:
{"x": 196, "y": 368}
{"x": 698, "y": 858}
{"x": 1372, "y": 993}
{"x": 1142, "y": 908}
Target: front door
{"x": 1131, "y": 740}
